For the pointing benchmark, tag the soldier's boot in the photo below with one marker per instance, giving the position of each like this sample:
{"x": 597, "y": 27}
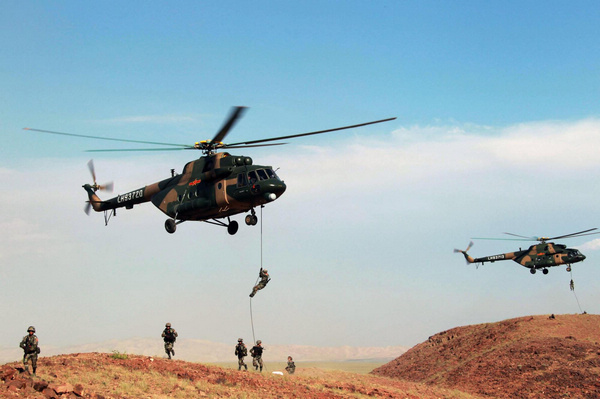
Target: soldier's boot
{"x": 173, "y": 352}
{"x": 27, "y": 369}
{"x": 169, "y": 354}
{"x": 246, "y": 366}
{"x": 239, "y": 367}
{"x": 34, "y": 368}
{"x": 261, "y": 369}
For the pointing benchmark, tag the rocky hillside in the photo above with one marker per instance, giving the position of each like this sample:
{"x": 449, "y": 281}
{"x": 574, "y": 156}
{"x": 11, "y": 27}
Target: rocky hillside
{"x": 527, "y": 357}
{"x": 104, "y": 376}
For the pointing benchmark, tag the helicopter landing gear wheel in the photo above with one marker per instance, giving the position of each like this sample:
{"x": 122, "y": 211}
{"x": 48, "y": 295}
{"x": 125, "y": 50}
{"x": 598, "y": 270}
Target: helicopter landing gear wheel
{"x": 170, "y": 226}
{"x": 545, "y": 271}
{"x": 232, "y": 227}
{"x": 568, "y": 268}
{"x": 252, "y": 220}
{"x": 532, "y": 271}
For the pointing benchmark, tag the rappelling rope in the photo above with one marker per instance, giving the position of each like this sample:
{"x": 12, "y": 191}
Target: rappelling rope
{"x": 572, "y": 286}
{"x": 261, "y": 265}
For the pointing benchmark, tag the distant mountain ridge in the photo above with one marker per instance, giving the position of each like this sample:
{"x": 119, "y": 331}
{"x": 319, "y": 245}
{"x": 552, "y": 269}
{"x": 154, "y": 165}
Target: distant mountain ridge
{"x": 195, "y": 350}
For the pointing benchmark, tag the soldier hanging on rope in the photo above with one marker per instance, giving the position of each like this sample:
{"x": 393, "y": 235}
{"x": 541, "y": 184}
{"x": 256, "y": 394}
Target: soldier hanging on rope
{"x": 169, "y": 336}
{"x": 241, "y": 352}
{"x": 30, "y": 347}
{"x": 264, "y": 279}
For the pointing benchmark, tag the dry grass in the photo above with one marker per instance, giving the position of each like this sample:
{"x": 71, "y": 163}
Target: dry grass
{"x": 143, "y": 377}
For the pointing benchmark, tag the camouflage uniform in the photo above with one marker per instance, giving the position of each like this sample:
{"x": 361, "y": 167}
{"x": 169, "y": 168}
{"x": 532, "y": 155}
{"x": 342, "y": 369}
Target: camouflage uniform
{"x": 169, "y": 336}
{"x": 29, "y": 343}
{"x": 241, "y": 352}
{"x": 291, "y": 367}
{"x": 264, "y": 279}
{"x": 256, "y": 353}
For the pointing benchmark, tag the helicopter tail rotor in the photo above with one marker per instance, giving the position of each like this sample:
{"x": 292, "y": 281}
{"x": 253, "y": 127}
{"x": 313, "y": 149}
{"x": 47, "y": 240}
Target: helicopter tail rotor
{"x": 95, "y": 187}
{"x": 91, "y": 190}
{"x": 468, "y": 258}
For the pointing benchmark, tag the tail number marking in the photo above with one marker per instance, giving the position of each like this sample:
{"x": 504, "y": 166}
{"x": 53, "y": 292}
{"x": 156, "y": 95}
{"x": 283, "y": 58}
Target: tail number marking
{"x": 130, "y": 196}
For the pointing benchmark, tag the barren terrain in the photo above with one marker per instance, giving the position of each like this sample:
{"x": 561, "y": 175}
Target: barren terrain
{"x": 101, "y": 375}
{"x": 527, "y": 357}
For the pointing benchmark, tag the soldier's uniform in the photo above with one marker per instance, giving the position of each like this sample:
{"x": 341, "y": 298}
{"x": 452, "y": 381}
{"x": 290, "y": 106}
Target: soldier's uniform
{"x": 241, "y": 352}
{"x": 256, "y": 353}
{"x": 264, "y": 279}
{"x": 169, "y": 336}
{"x": 30, "y": 347}
{"x": 291, "y": 367}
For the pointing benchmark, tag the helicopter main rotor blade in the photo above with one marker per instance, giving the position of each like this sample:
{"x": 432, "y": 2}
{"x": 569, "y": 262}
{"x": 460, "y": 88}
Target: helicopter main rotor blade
{"x": 516, "y": 235}
{"x": 235, "y": 114}
{"x": 141, "y": 149}
{"x": 576, "y": 234}
{"x": 104, "y": 138}
{"x": 312, "y": 133}
{"x": 505, "y": 239}
{"x": 249, "y": 146}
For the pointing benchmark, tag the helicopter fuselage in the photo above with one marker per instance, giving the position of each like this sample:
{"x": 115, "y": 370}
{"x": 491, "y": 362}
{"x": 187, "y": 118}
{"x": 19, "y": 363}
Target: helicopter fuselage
{"x": 214, "y": 186}
{"x": 538, "y": 256}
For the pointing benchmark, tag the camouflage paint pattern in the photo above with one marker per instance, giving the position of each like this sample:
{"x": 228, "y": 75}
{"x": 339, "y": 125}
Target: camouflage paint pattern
{"x": 538, "y": 256}
{"x": 211, "y": 187}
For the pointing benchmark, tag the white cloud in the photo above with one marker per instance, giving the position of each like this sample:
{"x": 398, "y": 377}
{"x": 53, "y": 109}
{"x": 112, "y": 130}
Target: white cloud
{"x": 590, "y": 245}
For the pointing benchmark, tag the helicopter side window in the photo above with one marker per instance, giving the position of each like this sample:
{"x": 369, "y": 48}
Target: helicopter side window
{"x": 262, "y": 174}
{"x": 252, "y": 177}
{"x": 242, "y": 180}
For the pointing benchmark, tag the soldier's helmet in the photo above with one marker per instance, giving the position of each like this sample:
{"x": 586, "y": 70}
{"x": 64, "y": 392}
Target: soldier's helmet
{"x": 266, "y": 271}
{"x": 258, "y": 342}
{"x": 168, "y": 325}
{"x": 240, "y": 340}
{"x": 31, "y": 328}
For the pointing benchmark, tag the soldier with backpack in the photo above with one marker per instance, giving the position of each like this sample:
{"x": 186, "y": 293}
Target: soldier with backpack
{"x": 241, "y": 352}
{"x": 256, "y": 353}
{"x": 169, "y": 336}
{"x": 30, "y": 347}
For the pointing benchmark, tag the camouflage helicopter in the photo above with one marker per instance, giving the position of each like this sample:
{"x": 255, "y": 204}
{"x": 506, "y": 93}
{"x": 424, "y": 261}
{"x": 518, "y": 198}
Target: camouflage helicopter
{"x": 538, "y": 256}
{"x": 216, "y": 186}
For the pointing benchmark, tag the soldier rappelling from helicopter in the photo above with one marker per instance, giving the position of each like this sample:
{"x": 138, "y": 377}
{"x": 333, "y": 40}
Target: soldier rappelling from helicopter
{"x": 264, "y": 280}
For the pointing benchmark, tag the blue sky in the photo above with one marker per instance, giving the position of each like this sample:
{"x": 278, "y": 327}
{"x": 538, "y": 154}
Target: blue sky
{"x": 497, "y": 131}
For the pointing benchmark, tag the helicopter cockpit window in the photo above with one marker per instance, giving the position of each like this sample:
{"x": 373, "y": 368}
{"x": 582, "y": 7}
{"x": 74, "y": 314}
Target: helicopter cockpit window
{"x": 271, "y": 174}
{"x": 241, "y": 180}
{"x": 262, "y": 174}
{"x": 252, "y": 177}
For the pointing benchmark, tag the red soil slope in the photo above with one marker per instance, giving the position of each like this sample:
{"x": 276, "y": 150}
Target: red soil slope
{"x": 102, "y": 376}
{"x": 527, "y": 357}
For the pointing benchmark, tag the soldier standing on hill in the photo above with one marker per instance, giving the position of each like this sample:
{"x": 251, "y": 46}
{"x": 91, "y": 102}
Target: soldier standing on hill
{"x": 241, "y": 352}
{"x": 256, "y": 353}
{"x": 169, "y": 336}
{"x": 31, "y": 349}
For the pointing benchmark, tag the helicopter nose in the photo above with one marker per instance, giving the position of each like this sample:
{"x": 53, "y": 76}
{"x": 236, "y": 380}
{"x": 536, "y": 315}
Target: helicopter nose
{"x": 277, "y": 188}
